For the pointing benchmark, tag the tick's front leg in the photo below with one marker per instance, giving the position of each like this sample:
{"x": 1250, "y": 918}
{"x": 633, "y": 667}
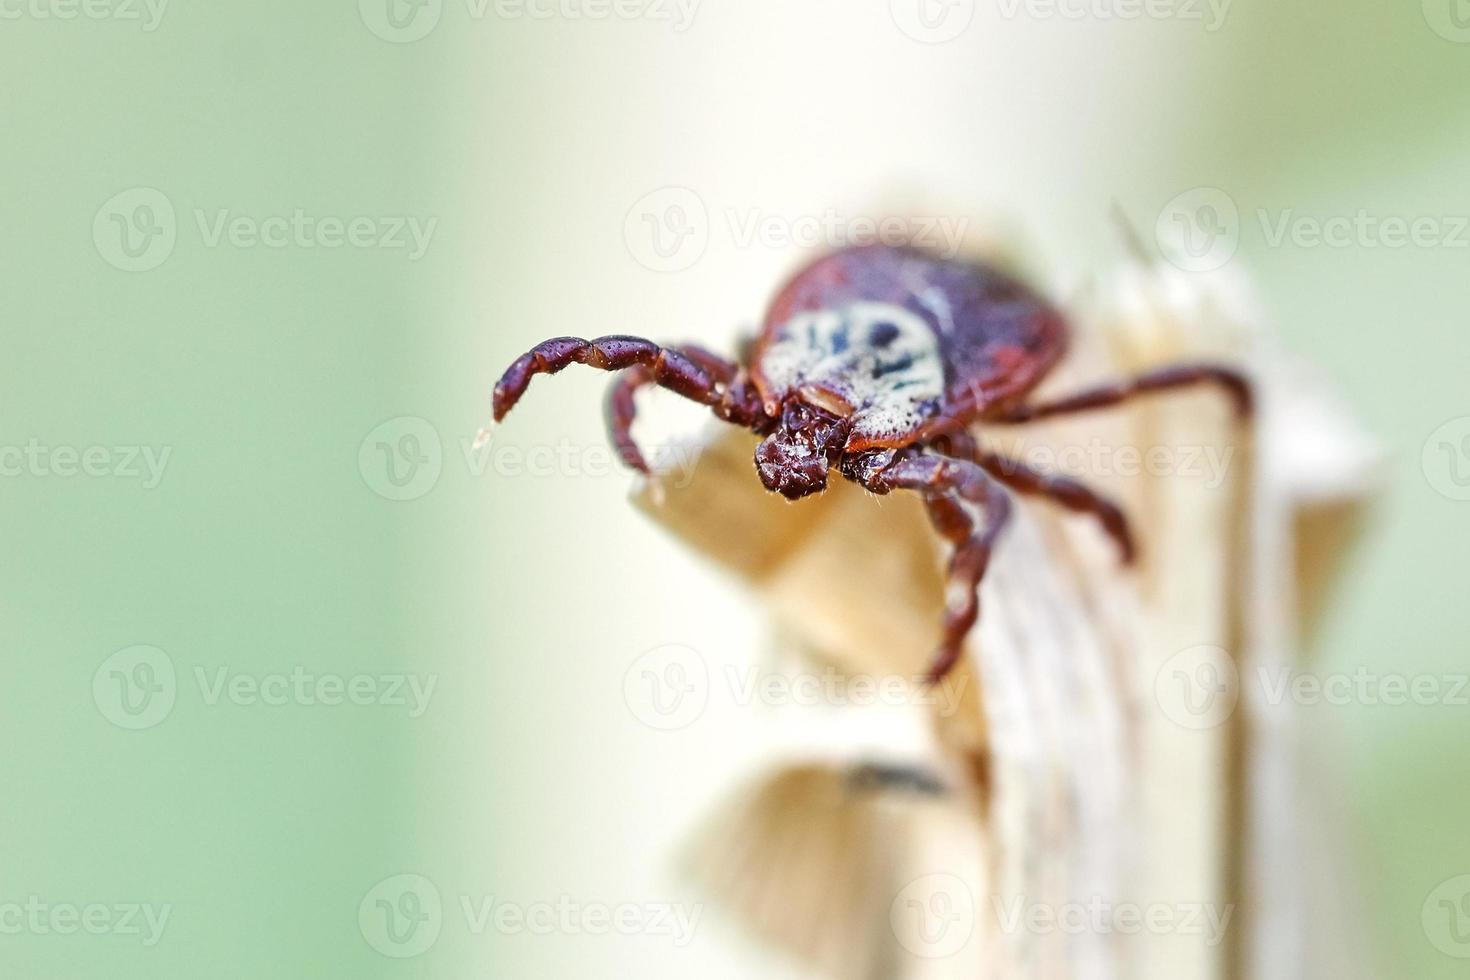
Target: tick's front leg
{"x": 946, "y": 485}
{"x": 621, "y": 408}
{"x": 666, "y": 367}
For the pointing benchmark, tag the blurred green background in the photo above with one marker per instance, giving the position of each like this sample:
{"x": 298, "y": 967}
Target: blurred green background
{"x": 315, "y": 388}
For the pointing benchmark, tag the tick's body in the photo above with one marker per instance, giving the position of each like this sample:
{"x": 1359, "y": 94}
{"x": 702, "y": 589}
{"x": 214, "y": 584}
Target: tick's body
{"x": 868, "y": 359}
{"x": 908, "y": 340}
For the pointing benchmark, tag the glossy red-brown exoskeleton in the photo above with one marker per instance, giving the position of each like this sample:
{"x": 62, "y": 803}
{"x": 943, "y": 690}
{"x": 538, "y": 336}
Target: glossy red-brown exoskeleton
{"x": 877, "y": 360}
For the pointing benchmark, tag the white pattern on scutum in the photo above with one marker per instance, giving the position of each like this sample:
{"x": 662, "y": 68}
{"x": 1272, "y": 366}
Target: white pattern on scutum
{"x": 882, "y": 359}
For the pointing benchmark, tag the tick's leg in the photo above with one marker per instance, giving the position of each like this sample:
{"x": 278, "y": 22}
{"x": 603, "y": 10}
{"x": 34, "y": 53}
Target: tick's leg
{"x": 944, "y": 483}
{"x": 1179, "y": 376}
{"x": 667, "y": 367}
{"x": 621, "y": 411}
{"x": 1068, "y": 493}
{"x": 962, "y": 586}
{"x": 621, "y": 408}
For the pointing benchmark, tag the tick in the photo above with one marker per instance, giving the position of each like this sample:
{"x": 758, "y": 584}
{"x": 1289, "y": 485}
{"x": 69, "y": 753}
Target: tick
{"x": 878, "y": 361}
